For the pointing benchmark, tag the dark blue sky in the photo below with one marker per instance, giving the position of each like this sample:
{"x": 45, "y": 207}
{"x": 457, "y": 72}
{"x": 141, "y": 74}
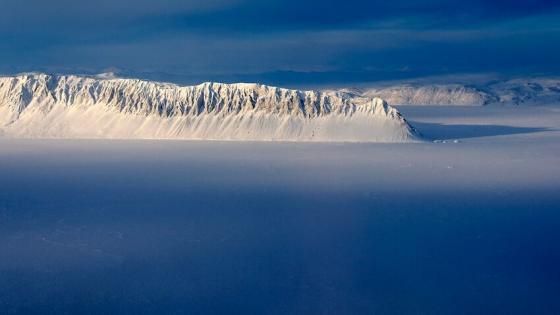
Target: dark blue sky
{"x": 280, "y": 41}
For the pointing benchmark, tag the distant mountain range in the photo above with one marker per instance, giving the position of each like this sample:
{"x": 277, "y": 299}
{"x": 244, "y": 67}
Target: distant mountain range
{"x": 536, "y": 91}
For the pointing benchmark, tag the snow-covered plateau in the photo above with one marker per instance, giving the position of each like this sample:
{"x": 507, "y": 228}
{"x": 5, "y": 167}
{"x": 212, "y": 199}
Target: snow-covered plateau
{"x": 67, "y": 106}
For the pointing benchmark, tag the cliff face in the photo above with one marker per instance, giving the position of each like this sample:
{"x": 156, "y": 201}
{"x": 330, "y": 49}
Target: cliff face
{"x": 40, "y": 105}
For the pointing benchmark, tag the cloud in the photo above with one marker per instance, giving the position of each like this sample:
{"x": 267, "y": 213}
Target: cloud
{"x": 251, "y": 39}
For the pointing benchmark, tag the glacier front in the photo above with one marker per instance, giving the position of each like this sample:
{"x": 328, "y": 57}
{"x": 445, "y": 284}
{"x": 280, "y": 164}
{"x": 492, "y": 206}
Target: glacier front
{"x": 66, "y": 106}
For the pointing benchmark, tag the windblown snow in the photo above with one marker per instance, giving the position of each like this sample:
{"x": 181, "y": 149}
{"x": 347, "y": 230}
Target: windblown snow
{"x": 65, "y": 106}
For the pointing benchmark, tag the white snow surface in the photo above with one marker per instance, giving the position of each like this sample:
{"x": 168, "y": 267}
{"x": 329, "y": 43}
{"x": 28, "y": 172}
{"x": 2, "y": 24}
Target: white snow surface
{"x": 66, "y": 106}
{"x": 98, "y": 226}
{"x": 520, "y": 91}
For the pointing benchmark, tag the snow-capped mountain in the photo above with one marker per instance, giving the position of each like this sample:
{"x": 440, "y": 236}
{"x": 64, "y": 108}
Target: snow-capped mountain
{"x": 40, "y": 105}
{"x": 539, "y": 91}
{"x": 432, "y": 95}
